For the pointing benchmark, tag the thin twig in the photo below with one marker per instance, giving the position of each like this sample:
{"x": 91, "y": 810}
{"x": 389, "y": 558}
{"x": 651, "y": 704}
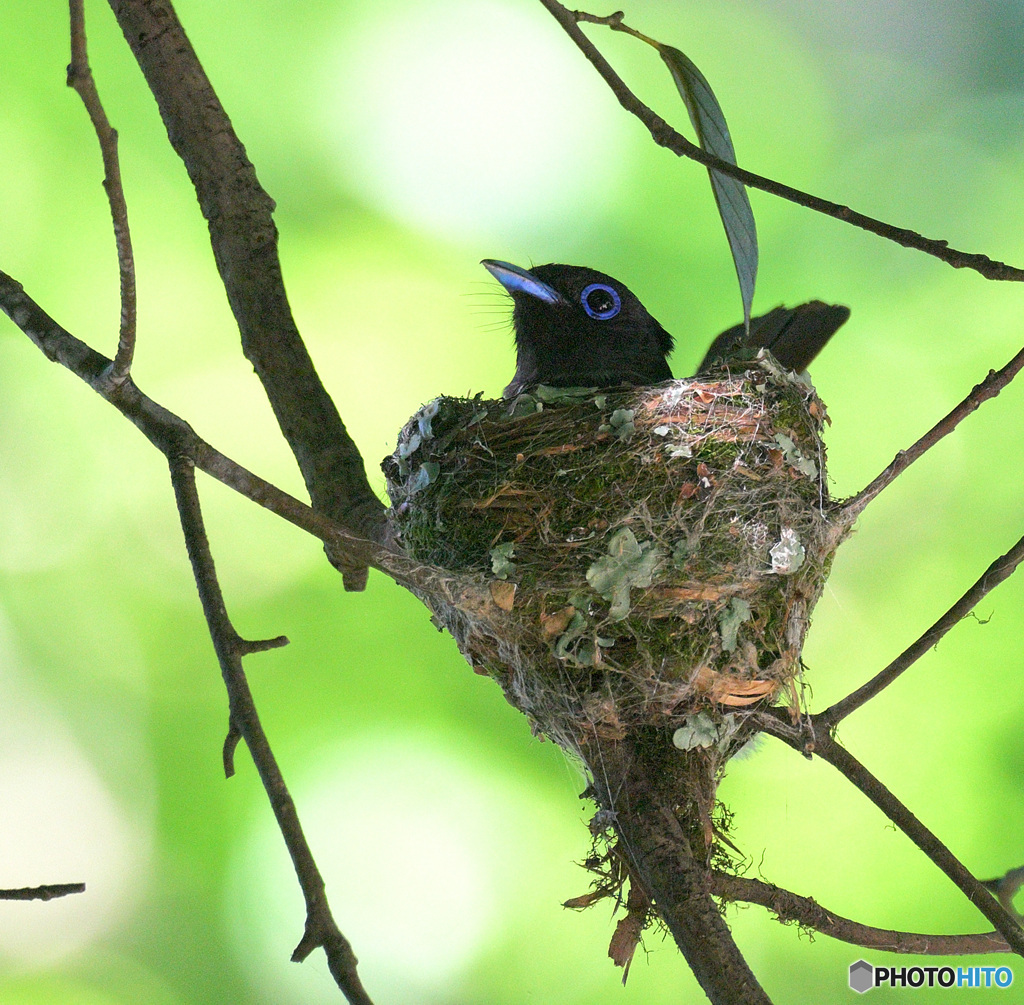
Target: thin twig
{"x": 789, "y": 906}
{"x": 776, "y": 723}
{"x": 1002, "y": 568}
{"x": 80, "y": 78}
{"x": 321, "y": 930}
{"x": 664, "y": 135}
{"x": 48, "y": 892}
{"x": 993, "y": 383}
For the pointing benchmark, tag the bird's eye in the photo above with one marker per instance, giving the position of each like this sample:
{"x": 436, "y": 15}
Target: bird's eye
{"x": 600, "y": 302}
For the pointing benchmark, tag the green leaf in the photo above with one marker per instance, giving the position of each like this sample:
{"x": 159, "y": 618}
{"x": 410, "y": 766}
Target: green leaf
{"x": 731, "y": 195}
{"x": 549, "y": 395}
{"x": 626, "y": 565}
{"x": 587, "y": 654}
{"x": 525, "y": 404}
{"x": 681, "y": 554}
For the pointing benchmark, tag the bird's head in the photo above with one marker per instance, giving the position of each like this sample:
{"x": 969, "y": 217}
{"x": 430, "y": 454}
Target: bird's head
{"x": 577, "y": 327}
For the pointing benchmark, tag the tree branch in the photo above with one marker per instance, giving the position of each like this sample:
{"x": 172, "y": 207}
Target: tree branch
{"x": 641, "y": 801}
{"x": 244, "y": 241}
{"x": 48, "y": 892}
{"x": 776, "y": 722}
{"x": 321, "y": 930}
{"x": 1002, "y": 568}
{"x": 664, "y": 135}
{"x": 80, "y": 78}
{"x": 788, "y": 907}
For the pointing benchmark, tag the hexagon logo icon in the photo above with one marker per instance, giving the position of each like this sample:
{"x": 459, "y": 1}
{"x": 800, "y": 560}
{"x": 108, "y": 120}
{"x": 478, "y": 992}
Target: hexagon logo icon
{"x": 862, "y": 976}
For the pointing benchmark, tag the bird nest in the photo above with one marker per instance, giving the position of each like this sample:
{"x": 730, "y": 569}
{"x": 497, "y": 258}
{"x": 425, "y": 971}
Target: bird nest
{"x": 625, "y": 559}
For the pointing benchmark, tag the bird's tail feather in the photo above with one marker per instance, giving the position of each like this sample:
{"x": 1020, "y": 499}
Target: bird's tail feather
{"x": 793, "y": 335}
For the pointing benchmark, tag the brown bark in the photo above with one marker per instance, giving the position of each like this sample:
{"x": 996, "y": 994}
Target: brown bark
{"x": 244, "y": 240}
{"x": 656, "y": 797}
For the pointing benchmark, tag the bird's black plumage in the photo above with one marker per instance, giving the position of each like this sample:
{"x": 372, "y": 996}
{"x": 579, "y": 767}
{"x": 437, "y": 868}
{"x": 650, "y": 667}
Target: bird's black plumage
{"x": 793, "y": 335}
{"x": 577, "y": 327}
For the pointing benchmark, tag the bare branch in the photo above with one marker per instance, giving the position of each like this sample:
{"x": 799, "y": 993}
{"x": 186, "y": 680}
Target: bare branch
{"x": 1002, "y": 568}
{"x": 244, "y": 241}
{"x": 645, "y": 812}
{"x": 231, "y": 742}
{"x": 48, "y": 892}
{"x": 988, "y": 388}
{"x": 776, "y": 722}
{"x": 80, "y": 78}
{"x": 664, "y": 135}
{"x": 788, "y": 906}
{"x": 321, "y": 929}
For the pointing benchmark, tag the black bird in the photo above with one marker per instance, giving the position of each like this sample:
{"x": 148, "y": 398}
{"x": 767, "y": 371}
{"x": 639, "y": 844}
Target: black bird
{"x": 577, "y": 327}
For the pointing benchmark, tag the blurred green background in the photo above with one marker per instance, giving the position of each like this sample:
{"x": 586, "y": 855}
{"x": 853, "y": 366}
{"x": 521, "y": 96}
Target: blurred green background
{"x": 403, "y": 141}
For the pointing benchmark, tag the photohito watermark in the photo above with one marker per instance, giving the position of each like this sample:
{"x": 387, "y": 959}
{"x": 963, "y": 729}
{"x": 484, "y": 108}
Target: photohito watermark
{"x": 864, "y": 977}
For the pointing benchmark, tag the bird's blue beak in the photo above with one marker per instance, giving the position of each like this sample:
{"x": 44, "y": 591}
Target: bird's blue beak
{"x": 517, "y": 280}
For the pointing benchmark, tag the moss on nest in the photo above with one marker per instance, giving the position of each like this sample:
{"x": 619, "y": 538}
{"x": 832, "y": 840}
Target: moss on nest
{"x": 629, "y": 558}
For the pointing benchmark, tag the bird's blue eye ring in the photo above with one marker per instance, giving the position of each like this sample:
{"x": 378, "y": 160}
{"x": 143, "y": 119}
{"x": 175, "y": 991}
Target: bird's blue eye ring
{"x": 600, "y": 301}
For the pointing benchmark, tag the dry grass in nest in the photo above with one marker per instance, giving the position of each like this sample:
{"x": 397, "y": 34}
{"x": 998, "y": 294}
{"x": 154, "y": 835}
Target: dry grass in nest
{"x": 629, "y": 558}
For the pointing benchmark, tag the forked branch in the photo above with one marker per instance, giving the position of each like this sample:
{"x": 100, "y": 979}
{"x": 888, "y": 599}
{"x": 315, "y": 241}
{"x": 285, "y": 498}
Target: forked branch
{"x": 790, "y": 907}
{"x": 80, "y": 78}
{"x": 173, "y": 435}
{"x": 321, "y": 930}
{"x": 776, "y": 722}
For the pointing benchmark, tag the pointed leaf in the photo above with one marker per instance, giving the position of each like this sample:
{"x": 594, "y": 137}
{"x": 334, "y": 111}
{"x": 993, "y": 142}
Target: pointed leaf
{"x": 731, "y": 195}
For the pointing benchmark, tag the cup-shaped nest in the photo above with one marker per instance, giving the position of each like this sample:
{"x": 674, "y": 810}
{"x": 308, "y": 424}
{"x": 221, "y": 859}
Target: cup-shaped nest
{"x": 627, "y": 558}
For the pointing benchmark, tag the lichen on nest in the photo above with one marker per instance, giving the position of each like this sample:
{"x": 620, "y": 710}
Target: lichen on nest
{"x": 630, "y": 558}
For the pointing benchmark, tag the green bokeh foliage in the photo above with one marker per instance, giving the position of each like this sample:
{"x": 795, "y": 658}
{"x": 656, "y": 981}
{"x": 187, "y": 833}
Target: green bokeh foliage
{"x": 99, "y": 624}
